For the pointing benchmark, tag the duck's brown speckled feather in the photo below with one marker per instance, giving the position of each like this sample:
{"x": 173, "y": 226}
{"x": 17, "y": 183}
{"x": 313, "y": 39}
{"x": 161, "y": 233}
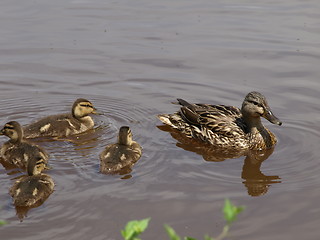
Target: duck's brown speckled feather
{"x": 219, "y": 125}
{"x": 30, "y": 190}
{"x": 57, "y": 125}
{"x": 116, "y": 157}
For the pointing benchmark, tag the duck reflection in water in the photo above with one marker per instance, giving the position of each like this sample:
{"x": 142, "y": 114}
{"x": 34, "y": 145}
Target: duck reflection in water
{"x": 255, "y": 181}
{"x": 31, "y": 190}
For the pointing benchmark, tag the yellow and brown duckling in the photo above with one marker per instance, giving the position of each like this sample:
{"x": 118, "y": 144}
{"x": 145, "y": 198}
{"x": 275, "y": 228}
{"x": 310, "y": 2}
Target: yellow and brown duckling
{"x": 18, "y": 151}
{"x": 34, "y": 188}
{"x": 63, "y": 125}
{"x": 226, "y": 126}
{"x": 120, "y": 155}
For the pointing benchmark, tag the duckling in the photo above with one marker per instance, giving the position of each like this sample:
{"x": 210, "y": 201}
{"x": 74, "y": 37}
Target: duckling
{"x": 18, "y": 151}
{"x": 34, "y": 188}
{"x": 226, "y": 126}
{"x": 63, "y": 125}
{"x": 120, "y": 155}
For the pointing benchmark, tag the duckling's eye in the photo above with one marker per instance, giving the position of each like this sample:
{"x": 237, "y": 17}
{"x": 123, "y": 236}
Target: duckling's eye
{"x": 86, "y": 105}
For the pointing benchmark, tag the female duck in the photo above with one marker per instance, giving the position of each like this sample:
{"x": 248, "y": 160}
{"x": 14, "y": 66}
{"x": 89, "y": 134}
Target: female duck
{"x": 63, "y": 125}
{"x": 226, "y": 126}
{"x": 17, "y": 151}
{"x": 122, "y": 154}
{"x": 34, "y": 188}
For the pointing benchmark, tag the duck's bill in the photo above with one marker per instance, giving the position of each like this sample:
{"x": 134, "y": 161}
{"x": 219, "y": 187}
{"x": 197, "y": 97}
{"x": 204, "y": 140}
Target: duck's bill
{"x": 98, "y": 113}
{"x": 95, "y": 111}
{"x": 272, "y": 118}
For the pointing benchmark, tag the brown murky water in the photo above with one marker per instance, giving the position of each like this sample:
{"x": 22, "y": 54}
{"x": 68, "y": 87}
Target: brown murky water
{"x": 132, "y": 59}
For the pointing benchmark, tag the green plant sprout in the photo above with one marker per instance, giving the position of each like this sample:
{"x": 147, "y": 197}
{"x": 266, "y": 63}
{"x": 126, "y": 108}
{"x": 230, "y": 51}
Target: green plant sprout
{"x": 230, "y": 213}
{"x": 2, "y": 222}
{"x": 171, "y": 233}
{"x": 134, "y": 228}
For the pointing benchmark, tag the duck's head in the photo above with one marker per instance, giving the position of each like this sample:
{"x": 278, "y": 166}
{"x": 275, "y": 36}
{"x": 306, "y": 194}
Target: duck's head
{"x": 255, "y": 106}
{"x": 82, "y": 108}
{"x": 13, "y": 130}
{"x": 35, "y": 165}
{"x": 125, "y": 136}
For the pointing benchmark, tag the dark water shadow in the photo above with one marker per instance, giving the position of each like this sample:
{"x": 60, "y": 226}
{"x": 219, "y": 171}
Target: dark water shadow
{"x": 256, "y": 182}
{"x": 22, "y": 212}
{"x": 123, "y": 172}
{"x": 10, "y": 169}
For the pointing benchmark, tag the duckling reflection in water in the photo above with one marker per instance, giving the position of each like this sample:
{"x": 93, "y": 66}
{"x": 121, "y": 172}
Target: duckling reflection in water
{"x": 226, "y": 126}
{"x": 18, "y": 151}
{"x": 33, "y": 189}
{"x": 63, "y": 125}
{"x": 121, "y": 155}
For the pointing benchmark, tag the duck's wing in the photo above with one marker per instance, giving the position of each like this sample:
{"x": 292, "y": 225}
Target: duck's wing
{"x": 221, "y": 119}
{"x": 55, "y": 125}
{"x": 30, "y": 190}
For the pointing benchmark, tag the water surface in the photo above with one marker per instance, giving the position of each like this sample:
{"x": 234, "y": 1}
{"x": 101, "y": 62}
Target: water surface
{"x": 132, "y": 59}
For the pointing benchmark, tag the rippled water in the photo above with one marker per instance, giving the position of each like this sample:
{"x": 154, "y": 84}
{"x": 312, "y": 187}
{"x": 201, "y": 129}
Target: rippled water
{"x": 132, "y": 59}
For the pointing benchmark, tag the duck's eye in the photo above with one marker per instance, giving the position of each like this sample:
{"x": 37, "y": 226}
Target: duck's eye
{"x": 256, "y": 103}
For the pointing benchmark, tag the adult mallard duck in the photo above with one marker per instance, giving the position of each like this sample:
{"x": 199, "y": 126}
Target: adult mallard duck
{"x": 226, "y": 126}
{"x": 34, "y": 188}
{"x": 63, "y": 125}
{"x": 18, "y": 151}
{"x": 120, "y": 155}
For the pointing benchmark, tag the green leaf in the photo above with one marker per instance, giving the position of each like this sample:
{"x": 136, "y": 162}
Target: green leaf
{"x": 231, "y": 211}
{"x": 189, "y": 238}
{"x": 206, "y": 237}
{"x": 134, "y": 228}
{"x": 2, "y": 222}
{"x": 171, "y": 233}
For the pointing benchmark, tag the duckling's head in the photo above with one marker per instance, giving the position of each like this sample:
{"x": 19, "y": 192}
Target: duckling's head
{"x": 13, "y": 130}
{"x": 255, "y": 106}
{"x": 125, "y": 136}
{"x": 35, "y": 165}
{"x": 82, "y": 108}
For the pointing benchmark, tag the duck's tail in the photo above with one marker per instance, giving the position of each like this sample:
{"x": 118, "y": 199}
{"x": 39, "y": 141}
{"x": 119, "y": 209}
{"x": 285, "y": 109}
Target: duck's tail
{"x": 173, "y": 120}
{"x": 176, "y": 120}
{"x": 183, "y": 102}
{"x": 166, "y": 119}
